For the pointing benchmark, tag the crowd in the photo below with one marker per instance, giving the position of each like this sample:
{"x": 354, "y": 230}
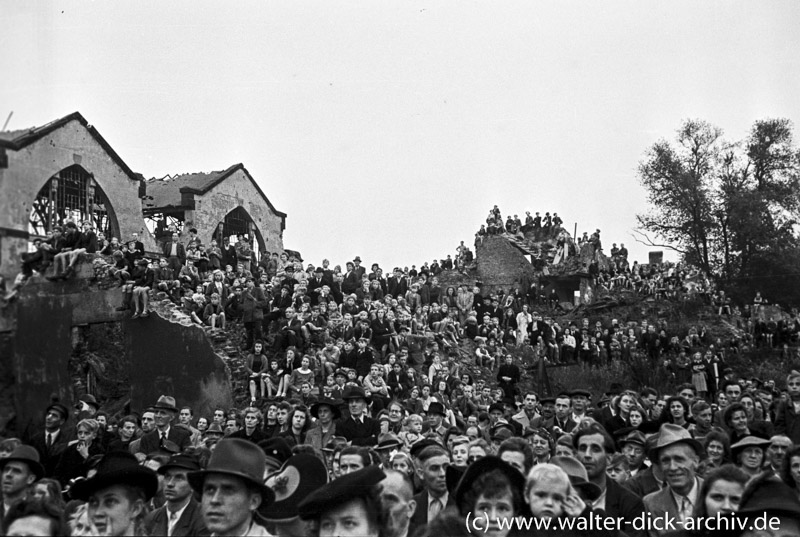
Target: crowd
{"x": 366, "y": 417}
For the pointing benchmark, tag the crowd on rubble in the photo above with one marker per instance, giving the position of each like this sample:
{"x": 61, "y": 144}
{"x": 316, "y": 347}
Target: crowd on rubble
{"x": 392, "y": 405}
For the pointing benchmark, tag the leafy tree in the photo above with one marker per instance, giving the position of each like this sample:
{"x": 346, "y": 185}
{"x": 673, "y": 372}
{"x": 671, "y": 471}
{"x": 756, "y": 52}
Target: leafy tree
{"x": 730, "y": 209}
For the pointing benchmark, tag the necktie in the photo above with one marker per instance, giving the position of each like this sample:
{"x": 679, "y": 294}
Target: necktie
{"x": 49, "y": 440}
{"x": 434, "y": 509}
{"x": 163, "y": 438}
{"x": 686, "y": 509}
{"x": 173, "y": 519}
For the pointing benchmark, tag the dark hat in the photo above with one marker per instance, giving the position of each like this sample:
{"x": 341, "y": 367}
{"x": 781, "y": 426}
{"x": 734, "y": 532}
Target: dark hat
{"x": 214, "y": 428}
{"x": 501, "y": 434}
{"x": 357, "y": 258}
{"x": 239, "y": 458}
{"x": 388, "y": 441}
{"x": 419, "y": 445}
{"x": 746, "y": 442}
{"x": 671, "y": 434}
{"x": 89, "y": 400}
{"x": 585, "y": 393}
{"x": 28, "y": 455}
{"x": 436, "y": 408}
{"x": 183, "y": 461}
{"x": 301, "y": 475}
{"x": 61, "y": 409}
{"x": 335, "y": 442}
{"x": 166, "y": 402}
{"x": 497, "y": 406}
{"x": 340, "y": 373}
{"x": 548, "y": 400}
{"x": 117, "y": 468}
{"x": 358, "y": 484}
{"x": 277, "y": 451}
{"x": 453, "y": 475}
{"x": 578, "y": 476}
{"x": 633, "y": 437}
{"x": 355, "y": 392}
{"x": 482, "y": 466}
{"x": 333, "y": 404}
{"x": 769, "y": 495}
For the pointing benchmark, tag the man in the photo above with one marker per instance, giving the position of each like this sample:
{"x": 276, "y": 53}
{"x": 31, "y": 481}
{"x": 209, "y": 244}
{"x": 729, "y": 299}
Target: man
{"x": 18, "y": 472}
{"x": 251, "y": 431}
{"x": 397, "y": 495}
{"x": 175, "y": 253}
{"x": 432, "y": 471}
{"x": 677, "y": 453}
{"x": 435, "y": 418}
{"x": 563, "y": 422}
{"x": 148, "y": 423}
{"x": 232, "y": 488}
{"x": 181, "y": 514}
{"x": 632, "y": 446}
{"x": 779, "y": 444}
{"x": 353, "y": 459}
{"x": 324, "y": 412}
{"x": 185, "y": 418}
{"x": 347, "y": 506}
{"x": 164, "y": 412}
{"x": 358, "y": 429}
{"x": 51, "y": 442}
{"x": 517, "y": 453}
{"x": 593, "y": 446}
{"x": 508, "y": 375}
{"x": 787, "y": 413}
{"x": 528, "y": 413}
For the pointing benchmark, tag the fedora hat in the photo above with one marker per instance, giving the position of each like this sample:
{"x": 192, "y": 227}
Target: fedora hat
{"x": 89, "y": 400}
{"x": 182, "y": 461}
{"x": 578, "y": 476}
{"x": 771, "y": 495}
{"x": 746, "y": 442}
{"x": 214, "y": 428}
{"x": 299, "y": 476}
{"x": 671, "y": 434}
{"x": 355, "y": 392}
{"x": 482, "y": 466}
{"x": 436, "y": 408}
{"x": 117, "y": 468}
{"x": 388, "y": 441}
{"x": 166, "y": 402}
{"x": 357, "y": 484}
{"x": 240, "y": 458}
{"x": 332, "y": 403}
{"x": 28, "y": 455}
{"x": 333, "y": 443}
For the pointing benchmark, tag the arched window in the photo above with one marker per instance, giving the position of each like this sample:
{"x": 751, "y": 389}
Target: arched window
{"x": 72, "y": 194}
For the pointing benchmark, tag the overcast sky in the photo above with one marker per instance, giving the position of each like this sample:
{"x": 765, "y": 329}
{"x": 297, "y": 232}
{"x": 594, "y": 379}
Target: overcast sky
{"x": 388, "y": 130}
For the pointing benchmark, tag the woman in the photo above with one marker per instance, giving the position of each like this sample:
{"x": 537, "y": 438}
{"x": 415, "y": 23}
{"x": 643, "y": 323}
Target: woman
{"x": 202, "y": 424}
{"x": 299, "y": 421}
{"x": 677, "y": 412}
{"x": 275, "y": 379}
{"x": 622, "y": 405}
{"x": 718, "y": 449}
{"x": 636, "y": 416}
{"x": 478, "y": 449}
{"x": 748, "y": 454}
{"x": 381, "y": 332}
{"x": 450, "y": 298}
{"x": 699, "y": 375}
{"x": 49, "y": 490}
{"x": 790, "y": 469}
{"x": 303, "y": 374}
{"x": 126, "y": 431}
{"x": 564, "y": 447}
{"x": 117, "y": 495}
{"x": 74, "y": 461}
{"x": 495, "y": 489}
{"x": 735, "y": 418}
{"x": 542, "y": 444}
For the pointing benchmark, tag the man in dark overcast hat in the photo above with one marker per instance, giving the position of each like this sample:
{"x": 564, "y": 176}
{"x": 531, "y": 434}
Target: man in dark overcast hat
{"x": 359, "y": 429}
{"x": 180, "y": 515}
{"x": 165, "y": 412}
{"x": 232, "y": 488}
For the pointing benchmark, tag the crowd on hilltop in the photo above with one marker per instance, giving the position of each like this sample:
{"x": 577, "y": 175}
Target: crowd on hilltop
{"x": 392, "y": 405}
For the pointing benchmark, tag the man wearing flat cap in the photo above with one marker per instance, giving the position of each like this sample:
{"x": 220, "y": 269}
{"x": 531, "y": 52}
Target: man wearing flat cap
{"x": 678, "y": 455}
{"x": 52, "y": 441}
{"x": 350, "y": 505}
{"x": 180, "y": 515}
{"x": 164, "y": 412}
{"x": 232, "y": 489}
{"x": 358, "y": 428}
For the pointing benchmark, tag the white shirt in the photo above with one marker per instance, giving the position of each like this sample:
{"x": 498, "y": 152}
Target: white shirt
{"x": 442, "y": 500}
{"x": 172, "y": 519}
{"x": 679, "y": 500}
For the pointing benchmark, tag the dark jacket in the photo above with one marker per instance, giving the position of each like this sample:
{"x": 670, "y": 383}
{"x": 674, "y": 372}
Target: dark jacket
{"x": 190, "y": 523}
{"x": 181, "y": 251}
{"x": 359, "y": 434}
{"x": 253, "y": 302}
{"x": 152, "y": 441}
{"x": 621, "y": 502}
{"x": 50, "y": 457}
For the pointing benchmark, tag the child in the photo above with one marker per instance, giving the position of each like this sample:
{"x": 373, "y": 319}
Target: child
{"x": 330, "y": 384}
{"x": 618, "y": 469}
{"x": 214, "y": 314}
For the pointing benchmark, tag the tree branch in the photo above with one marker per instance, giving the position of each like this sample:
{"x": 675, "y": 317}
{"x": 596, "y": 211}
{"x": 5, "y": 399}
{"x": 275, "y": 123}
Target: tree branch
{"x": 649, "y": 242}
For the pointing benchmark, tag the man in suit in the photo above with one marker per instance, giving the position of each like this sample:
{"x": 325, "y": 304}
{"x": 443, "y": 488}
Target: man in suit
{"x": 593, "y": 446}
{"x": 164, "y": 412}
{"x": 397, "y": 285}
{"x": 528, "y": 413}
{"x": 18, "y": 472}
{"x": 175, "y": 253}
{"x": 352, "y": 281}
{"x": 181, "y": 514}
{"x": 358, "y": 429}
{"x": 562, "y": 421}
{"x": 432, "y": 471}
{"x": 677, "y": 454}
{"x": 51, "y": 442}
